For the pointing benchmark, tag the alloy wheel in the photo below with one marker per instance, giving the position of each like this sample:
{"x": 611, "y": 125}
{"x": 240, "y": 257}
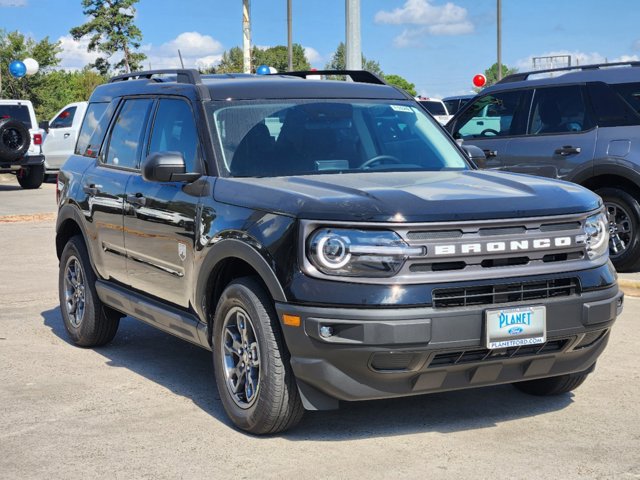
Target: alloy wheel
{"x": 620, "y": 228}
{"x": 74, "y": 289}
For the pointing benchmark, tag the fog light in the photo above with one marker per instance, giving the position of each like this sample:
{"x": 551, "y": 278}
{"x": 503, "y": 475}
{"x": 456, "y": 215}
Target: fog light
{"x": 326, "y": 332}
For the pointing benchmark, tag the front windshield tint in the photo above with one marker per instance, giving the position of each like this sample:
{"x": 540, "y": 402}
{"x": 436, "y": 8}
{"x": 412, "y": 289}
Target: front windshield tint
{"x": 268, "y": 139}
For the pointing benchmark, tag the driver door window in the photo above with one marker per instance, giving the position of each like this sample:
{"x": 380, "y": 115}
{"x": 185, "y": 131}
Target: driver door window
{"x": 500, "y": 114}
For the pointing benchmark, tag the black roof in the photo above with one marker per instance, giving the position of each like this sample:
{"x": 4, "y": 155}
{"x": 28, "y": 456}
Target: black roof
{"x": 622, "y": 72}
{"x": 191, "y": 84}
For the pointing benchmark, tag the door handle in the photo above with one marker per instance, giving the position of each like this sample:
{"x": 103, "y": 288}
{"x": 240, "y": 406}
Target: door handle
{"x": 67, "y": 135}
{"x": 490, "y": 153}
{"x": 567, "y": 150}
{"x": 92, "y": 189}
{"x": 137, "y": 199}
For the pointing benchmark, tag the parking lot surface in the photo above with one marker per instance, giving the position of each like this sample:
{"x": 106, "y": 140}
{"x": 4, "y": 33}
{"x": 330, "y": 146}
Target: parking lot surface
{"x": 146, "y": 405}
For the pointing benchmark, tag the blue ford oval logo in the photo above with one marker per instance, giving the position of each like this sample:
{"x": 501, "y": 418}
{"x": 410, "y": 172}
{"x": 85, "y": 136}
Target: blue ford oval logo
{"x": 515, "y": 330}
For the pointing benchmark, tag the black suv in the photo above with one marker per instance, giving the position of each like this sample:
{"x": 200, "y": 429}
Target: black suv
{"x": 582, "y": 125}
{"x": 328, "y": 241}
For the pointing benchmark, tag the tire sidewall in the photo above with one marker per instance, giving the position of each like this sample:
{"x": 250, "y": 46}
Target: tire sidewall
{"x": 238, "y": 295}
{"x": 8, "y": 154}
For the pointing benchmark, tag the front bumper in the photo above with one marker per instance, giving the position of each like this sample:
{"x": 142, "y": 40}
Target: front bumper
{"x": 389, "y": 352}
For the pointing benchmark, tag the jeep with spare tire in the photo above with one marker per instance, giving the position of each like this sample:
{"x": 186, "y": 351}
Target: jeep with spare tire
{"x": 21, "y": 143}
{"x": 327, "y": 241}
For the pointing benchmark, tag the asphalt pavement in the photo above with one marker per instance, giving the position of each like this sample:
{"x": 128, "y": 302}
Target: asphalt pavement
{"x": 146, "y": 406}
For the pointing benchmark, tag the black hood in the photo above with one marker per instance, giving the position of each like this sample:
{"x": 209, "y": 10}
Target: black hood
{"x": 408, "y": 196}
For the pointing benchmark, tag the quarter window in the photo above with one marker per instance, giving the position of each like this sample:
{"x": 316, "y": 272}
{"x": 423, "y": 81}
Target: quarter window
{"x": 499, "y": 114}
{"x": 127, "y": 133}
{"x": 94, "y": 126}
{"x": 559, "y": 110}
{"x": 174, "y": 130}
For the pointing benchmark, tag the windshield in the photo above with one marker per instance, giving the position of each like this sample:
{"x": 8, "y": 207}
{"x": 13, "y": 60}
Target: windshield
{"x": 16, "y": 112}
{"x": 283, "y": 138}
{"x": 434, "y": 108}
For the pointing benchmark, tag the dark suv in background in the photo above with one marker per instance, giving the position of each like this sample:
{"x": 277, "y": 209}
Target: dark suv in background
{"x": 581, "y": 124}
{"x": 327, "y": 241}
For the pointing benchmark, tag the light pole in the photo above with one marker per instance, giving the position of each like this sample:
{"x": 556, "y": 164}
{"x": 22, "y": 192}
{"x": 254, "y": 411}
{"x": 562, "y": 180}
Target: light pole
{"x": 499, "y": 6}
{"x": 353, "y": 48}
{"x": 289, "y": 36}
{"x": 246, "y": 34}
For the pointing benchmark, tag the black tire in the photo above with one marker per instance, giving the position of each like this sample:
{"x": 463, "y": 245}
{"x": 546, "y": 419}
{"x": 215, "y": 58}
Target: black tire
{"x": 98, "y": 323}
{"x": 552, "y": 385}
{"x": 31, "y": 178}
{"x": 14, "y": 140}
{"x": 619, "y": 204}
{"x": 276, "y": 404}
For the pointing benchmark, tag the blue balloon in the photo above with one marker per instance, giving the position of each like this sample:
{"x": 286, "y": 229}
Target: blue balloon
{"x": 263, "y": 70}
{"x": 18, "y": 69}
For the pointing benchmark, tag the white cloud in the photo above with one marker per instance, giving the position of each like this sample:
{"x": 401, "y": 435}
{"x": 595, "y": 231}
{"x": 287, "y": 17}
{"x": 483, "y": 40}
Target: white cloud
{"x": 427, "y": 19}
{"x": 577, "y": 58}
{"x": 13, "y": 3}
{"x": 313, "y": 56}
{"x": 197, "y": 51}
{"x": 636, "y": 45}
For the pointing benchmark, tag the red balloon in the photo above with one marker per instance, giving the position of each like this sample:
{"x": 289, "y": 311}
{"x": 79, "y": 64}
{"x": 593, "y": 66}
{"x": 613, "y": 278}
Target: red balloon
{"x": 479, "y": 80}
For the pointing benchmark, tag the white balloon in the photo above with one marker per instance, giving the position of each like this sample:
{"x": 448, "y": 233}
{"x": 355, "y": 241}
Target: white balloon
{"x": 32, "y": 66}
{"x": 273, "y": 70}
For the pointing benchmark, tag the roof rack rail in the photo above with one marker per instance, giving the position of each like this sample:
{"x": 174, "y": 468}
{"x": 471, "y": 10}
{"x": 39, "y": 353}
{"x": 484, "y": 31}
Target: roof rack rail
{"x": 183, "y": 75}
{"x": 359, "y": 76}
{"x": 517, "y": 77}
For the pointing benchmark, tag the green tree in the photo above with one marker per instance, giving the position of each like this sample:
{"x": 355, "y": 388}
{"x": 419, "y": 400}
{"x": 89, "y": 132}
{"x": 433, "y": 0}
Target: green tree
{"x": 401, "y": 82}
{"x": 60, "y": 88}
{"x": 233, "y": 59}
{"x": 112, "y": 31}
{"x": 492, "y": 74}
{"x": 16, "y": 46}
{"x": 338, "y": 62}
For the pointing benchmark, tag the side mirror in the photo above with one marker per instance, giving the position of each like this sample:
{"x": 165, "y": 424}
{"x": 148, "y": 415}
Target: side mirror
{"x": 476, "y": 155}
{"x": 166, "y": 167}
{"x": 44, "y": 125}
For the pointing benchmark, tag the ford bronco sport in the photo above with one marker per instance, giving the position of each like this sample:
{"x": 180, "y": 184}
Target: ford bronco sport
{"x": 327, "y": 241}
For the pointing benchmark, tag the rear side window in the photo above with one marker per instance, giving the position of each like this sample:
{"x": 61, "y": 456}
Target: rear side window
{"x": 64, "y": 119}
{"x": 94, "y": 126}
{"x": 125, "y": 144}
{"x": 497, "y": 114}
{"x": 616, "y": 105}
{"x": 174, "y": 130}
{"x": 434, "y": 108}
{"x": 16, "y": 112}
{"x": 559, "y": 110}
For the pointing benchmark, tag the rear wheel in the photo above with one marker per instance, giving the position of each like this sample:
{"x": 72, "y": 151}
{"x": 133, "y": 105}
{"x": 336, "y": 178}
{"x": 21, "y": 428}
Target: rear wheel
{"x": 88, "y": 322}
{"x": 251, "y": 362}
{"x": 623, "y": 211}
{"x": 31, "y": 177}
{"x": 553, "y": 385}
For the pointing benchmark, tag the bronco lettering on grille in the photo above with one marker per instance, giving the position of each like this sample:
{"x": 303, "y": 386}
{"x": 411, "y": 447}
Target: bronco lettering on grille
{"x": 500, "y": 247}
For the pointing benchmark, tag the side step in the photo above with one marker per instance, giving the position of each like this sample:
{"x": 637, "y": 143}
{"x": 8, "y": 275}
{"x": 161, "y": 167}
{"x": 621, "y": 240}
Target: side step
{"x": 169, "y": 319}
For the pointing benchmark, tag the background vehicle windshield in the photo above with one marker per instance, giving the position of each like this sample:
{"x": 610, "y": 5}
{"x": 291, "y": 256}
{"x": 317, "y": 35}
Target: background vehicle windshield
{"x": 433, "y": 107}
{"x": 310, "y": 137}
{"x": 16, "y": 112}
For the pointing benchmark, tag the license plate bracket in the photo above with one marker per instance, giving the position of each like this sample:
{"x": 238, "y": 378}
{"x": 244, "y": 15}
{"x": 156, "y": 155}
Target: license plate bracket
{"x": 515, "y": 326}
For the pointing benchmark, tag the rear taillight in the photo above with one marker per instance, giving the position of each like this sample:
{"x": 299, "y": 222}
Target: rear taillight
{"x": 37, "y": 139}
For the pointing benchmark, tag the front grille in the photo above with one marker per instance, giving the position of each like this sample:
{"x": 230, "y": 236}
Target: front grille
{"x": 505, "y": 293}
{"x": 484, "y": 355}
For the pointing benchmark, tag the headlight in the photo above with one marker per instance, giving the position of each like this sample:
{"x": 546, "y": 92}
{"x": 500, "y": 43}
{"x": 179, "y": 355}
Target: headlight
{"x": 359, "y": 253}
{"x": 596, "y": 238}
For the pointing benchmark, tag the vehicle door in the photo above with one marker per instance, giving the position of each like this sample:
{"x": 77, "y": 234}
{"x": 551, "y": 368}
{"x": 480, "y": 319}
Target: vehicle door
{"x": 61, "y": 137}
{"x": 561, "y": 135}
{"x": 160, "y": 221}
{"x": 491, "y": 121}
{"x": 105, "y": 183}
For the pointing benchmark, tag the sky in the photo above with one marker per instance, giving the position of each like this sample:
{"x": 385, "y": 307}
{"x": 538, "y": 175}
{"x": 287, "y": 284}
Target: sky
{"x": 437, "y": 45}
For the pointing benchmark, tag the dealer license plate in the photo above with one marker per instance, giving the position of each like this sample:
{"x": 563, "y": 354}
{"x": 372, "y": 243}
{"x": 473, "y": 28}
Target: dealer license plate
{"x": 513, "y": 327}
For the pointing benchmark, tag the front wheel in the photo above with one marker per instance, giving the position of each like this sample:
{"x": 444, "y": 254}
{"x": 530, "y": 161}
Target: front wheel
{"x": 254, "y": 378}
{"x": 623, "y": 212}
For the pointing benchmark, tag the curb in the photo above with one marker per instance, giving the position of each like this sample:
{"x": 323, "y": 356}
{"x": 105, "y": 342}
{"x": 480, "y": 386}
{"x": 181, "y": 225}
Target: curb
{"x": 629, "y": 287}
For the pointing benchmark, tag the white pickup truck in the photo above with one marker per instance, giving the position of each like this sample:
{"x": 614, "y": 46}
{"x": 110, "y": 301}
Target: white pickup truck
{"x": 21, "y": 143}
{"x": 62, "y": 133}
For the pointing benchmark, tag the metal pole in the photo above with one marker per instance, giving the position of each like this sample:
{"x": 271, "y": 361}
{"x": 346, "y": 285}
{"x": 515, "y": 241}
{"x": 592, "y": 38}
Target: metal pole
{"x": 353, "y": 47}
{"x": 246, "y": 34}
{"x": 180, "y": 55}
{"x": 499, "y": 40}
{"x": 289, "y": 36}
